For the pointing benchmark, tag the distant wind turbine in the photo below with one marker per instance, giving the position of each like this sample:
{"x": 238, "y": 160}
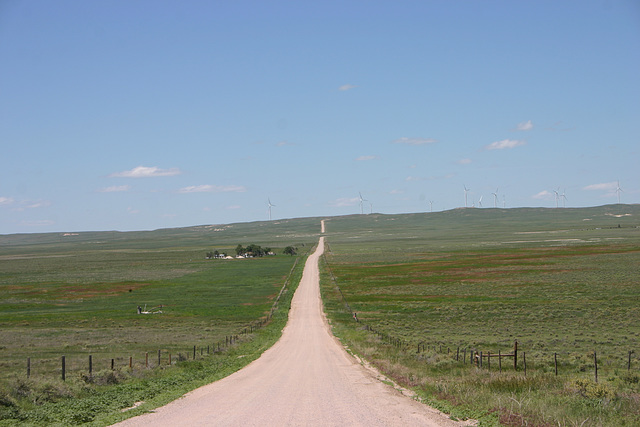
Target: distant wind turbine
{"x": 618, "y": 191}
{"x": 270, "y": 206}
{"x": 495, "y": 198}
{"x": 564, "y": 198}
{"x": 557, "y": 197}
{"x": 480, "y": 201}
{"x": 466, "y": 190}
{"x": 431, "y": 205}
{"x": 361, "y": 202}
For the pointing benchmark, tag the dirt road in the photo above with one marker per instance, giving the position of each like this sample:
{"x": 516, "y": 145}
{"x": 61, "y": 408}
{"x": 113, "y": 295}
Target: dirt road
{"x": 305, "y": 379}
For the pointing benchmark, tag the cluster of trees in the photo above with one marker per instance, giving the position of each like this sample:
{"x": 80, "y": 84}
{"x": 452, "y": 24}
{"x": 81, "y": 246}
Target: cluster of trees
{"x": 252, "y": 251}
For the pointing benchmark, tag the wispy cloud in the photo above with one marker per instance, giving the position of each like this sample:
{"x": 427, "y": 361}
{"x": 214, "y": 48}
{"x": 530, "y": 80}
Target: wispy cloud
{"x": 115, "y": 189}
{"x": 346, "y": 87}
{"x": 543, "y": 195}
{"x": 37, "y": 223}
{"x": 605, "y": 186}
{"x": 560, "y": 127}
{"x": 365, "y": 158}
{"x": 206, "y": 188}
{"x": 6, "y": 201}
{"x": 146, "y": 172}
{"x": 505, "y": 144}
{"x": 344, "y": 201}
{"x": 285, "y": 144}
{"x": 464, "y": 161}
{"x": 414, "y": 141}
{"x": 525, "y": 126}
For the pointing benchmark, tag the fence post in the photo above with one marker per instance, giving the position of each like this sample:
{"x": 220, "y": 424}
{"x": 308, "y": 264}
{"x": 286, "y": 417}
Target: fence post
{"x": 500, "y": 361}
{"x": 29, "y": 367}
{"x": 464, "y": 360}
{"x": 64, "y": 368}
{"x": 629, "y": 364}
{"x": 130, "y": 362}
{"x": 489, "y": 360}
{"x": 194, "y": 352}
{"x": 112, "y": 363}
{"x": 146, "y": 359}
{"x": 90, "y": 365}
{"x": 159, "y": 357}
{"x": 555, "y": 362}
{"x": 515, "y": 356}
{"x": 595, "y": 363}
{"x": 480, "y": 360}
{"x": 458, "y": 355}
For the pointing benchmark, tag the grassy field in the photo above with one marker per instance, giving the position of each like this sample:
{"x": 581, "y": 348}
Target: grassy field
{"x": 562, "y": 282}
{"x": 76, "y": 294}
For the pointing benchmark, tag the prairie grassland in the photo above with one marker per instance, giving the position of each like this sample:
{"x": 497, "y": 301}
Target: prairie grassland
{"x": 560, "y": 282}
{"x": 77, "y": 295}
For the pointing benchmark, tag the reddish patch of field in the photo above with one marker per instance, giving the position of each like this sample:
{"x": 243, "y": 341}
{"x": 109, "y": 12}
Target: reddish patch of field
{"x": 95, "y": 291}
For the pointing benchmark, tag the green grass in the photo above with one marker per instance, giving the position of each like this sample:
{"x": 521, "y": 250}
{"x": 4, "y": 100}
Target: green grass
{"x": 77, "y": 295}
{"x": 559, "y": 281}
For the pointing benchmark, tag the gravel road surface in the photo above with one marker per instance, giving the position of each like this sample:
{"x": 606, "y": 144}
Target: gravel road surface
{"x": 305, "y": 379}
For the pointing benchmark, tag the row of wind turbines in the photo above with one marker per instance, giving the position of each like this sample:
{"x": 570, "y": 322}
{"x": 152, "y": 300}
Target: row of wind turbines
{"x": 495, "y": 199}
{"x": 558, "y": 198}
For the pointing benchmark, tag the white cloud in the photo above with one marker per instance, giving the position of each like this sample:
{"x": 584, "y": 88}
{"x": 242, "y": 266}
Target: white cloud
{"x": 504, "y": 144}
{"x": 206, "y": 188}
{"x": 6, "y": 201}
{"x": 115, "y": 189}
{"x": 38, "y": 204}
{"x": 605, "y": 186}
{"x": 234, "y": 207}
{"x": 365, "y": 158}
{"x": 414, "y": 141}
{"x": 544, "y": 194}
{"x": 146, "y": 172}
{"x": 346, "y": 87}
{"x": 344, "y": 201}
{"x": 525, "y": 126}
{"x": 464, "y": 161}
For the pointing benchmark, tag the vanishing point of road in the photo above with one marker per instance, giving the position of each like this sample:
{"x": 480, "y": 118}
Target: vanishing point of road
{"x": 305, "y": 379}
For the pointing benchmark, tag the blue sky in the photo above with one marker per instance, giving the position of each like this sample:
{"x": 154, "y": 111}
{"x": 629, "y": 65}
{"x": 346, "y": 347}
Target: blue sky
{"x": 137, "y": 115}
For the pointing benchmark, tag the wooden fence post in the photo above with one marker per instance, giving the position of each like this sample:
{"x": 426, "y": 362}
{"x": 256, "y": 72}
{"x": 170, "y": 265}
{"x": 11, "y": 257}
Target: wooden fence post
{"x": 489, "y": 360}
{"x": 64, "y": 369}
{"x": 515, "y": 356}
{"x": 112, "y": 363}
{"x": 90, "y": 365}
{"x": 29, "y": 367}
{"x": 146, "y": 359}
{"x": 555, "y": 362}
{"x": 130, "y": 362}
{"x": 629, "y": 364}
{"x": 194, "y": 352}
{"x": 159, "y": 357}
{"x": 595, "y": 363}
{"x": 499, "y": 361}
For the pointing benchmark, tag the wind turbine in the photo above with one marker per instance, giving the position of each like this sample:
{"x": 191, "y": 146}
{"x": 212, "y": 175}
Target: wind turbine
{"x": 361, "y": 201}
{"x": 431, "y": 204}
{"x": 270, "y": 206}
{"x": 495, "y": 198}
{"x": 480, "y": 201}
{"x": 618, "y": 191}
{"x": 466, "y": 190}
{"x": 564, "y": 199}
{"x": 557, "y": 197}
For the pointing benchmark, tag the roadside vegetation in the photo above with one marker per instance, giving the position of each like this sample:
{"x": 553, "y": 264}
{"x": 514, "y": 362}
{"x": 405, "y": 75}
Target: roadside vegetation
{"x": 430, "y": 290}
{"x": 77, "y": 295}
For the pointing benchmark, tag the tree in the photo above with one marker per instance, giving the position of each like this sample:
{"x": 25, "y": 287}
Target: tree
{"x": 240, "y": 250}
{"x": 289, "y": 250}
